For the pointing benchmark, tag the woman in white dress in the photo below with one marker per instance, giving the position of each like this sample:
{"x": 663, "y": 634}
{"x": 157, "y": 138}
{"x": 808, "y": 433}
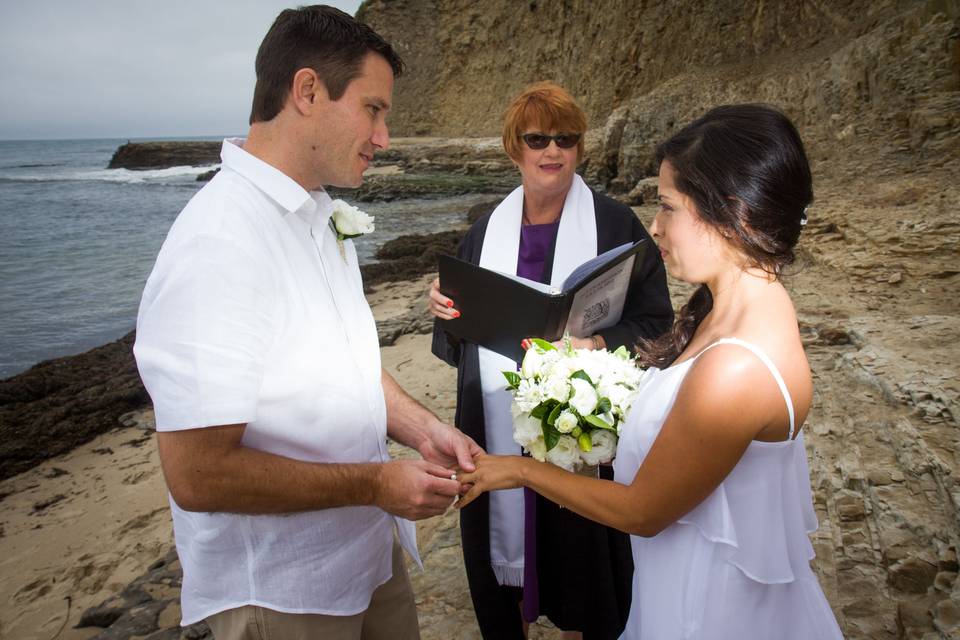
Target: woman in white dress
{"x": 711, "y": 477}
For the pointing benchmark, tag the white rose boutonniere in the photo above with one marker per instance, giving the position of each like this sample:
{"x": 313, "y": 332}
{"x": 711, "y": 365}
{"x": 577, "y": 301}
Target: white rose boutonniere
{"x": 348, "y": 222}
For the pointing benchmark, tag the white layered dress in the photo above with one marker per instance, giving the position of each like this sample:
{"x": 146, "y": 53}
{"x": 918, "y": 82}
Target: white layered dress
{"x": 737, "y": 566}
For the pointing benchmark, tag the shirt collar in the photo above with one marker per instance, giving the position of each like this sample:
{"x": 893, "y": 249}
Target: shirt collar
{"x": 313, "y": 206}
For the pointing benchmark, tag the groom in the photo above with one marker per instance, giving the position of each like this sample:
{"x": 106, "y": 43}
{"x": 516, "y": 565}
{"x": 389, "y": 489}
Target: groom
{"x": 261, "y": 357}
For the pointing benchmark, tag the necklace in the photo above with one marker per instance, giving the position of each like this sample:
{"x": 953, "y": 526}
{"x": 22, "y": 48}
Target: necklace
{"x": 526, "y": 218}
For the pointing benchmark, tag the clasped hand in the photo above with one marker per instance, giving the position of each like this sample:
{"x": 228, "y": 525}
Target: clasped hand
{"x": 490, "y": 474}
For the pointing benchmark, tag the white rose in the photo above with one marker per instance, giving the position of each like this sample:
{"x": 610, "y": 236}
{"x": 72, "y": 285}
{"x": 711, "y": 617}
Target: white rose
{"x": 538, "y": 449}
{"x": 604, "y": 446}
{"x": 566, "y": 421}
{"x": 556, "y": 388}
{"x": 533, "y": 361}
{"x": 584, "y": 398}
{"x": 566, "y": 454}
{"x": 526, "y": 430}
{"x": 350, "y": 221}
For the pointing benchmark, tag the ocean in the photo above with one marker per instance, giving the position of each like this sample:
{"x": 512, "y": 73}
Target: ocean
{"x": 78, "y": 240}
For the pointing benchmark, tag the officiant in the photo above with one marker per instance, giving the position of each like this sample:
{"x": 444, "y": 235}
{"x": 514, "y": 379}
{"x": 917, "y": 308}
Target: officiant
{"x": 526, "y": 556}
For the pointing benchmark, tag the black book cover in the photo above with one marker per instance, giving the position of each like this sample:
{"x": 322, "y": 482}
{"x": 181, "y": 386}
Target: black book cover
{"x": 498, "y": 311}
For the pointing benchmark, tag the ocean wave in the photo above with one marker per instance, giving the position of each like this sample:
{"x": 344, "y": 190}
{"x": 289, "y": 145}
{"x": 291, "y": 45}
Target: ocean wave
{"x": 169, "y": 175}
{"x": 30, "y": 166}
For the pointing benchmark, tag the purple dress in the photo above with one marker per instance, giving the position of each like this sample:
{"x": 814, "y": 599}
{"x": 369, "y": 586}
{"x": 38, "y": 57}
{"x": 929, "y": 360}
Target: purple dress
{"x": 535, "y": 243}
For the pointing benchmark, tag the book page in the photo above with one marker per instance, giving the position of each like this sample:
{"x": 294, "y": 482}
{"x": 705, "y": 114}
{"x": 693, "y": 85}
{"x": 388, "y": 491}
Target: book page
{"x": 588, "y": 267}
{"x": 533, "y": 284}
{"x": 600, "y": 304}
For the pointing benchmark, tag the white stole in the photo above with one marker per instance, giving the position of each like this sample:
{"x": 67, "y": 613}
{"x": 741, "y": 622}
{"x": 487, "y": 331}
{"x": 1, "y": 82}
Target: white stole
{"x": 576, "y": 243}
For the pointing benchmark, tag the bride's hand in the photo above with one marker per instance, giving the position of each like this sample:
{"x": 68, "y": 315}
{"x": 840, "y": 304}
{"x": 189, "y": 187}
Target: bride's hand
{"x": 492, "y": 473}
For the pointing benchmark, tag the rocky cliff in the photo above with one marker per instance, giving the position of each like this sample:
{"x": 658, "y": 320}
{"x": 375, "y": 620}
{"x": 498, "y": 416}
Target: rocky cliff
{"x": 889, "y": 68}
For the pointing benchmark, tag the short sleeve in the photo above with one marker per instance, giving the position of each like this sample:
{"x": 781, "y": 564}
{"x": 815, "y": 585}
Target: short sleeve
{"x": 204, "y": 330}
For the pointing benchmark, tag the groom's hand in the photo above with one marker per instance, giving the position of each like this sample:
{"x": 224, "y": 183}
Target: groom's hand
{"x": 449, "y": 447}
{"x": 415, "y": 489}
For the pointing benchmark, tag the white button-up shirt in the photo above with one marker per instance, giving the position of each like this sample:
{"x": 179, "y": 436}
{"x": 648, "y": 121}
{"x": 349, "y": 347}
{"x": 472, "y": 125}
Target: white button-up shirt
{"x": 252, "y": 315}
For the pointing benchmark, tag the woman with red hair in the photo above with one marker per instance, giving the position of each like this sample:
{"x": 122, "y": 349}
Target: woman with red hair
{"x": 518, "y": 546}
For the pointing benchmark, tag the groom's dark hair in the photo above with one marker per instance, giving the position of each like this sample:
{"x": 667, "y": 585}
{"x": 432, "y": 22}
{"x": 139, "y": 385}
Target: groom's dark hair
{"x": 317, "y": 37}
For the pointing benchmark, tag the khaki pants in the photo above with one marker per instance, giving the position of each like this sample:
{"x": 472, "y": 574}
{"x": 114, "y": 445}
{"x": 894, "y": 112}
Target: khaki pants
{"x": 391, "y": 615}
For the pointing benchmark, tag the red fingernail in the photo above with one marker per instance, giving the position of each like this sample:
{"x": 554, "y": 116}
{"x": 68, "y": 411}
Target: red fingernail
{"x": 449, "y": 303}
{"x": 456, "y": 314}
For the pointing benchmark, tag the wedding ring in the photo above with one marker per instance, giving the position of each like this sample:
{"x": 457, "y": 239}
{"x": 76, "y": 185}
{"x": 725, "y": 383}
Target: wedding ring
{"x": 453, "y": 476}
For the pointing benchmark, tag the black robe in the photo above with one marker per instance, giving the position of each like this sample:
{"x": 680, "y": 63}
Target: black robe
{"x": 584, "y": 569}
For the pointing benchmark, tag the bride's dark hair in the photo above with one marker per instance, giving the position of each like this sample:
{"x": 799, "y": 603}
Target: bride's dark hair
{"x": 745, "y": 170}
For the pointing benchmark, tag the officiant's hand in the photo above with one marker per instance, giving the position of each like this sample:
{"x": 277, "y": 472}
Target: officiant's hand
{"x": 440, "y": 305}
{"x": 591, "y": 343}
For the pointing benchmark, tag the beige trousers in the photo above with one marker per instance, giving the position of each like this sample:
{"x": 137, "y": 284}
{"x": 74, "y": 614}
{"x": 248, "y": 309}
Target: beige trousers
{"x": 391, "y": 615}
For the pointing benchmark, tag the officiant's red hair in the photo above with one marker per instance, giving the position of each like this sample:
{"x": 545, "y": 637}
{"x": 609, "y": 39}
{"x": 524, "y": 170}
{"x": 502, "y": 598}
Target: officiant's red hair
{"x": 547, "y": 107}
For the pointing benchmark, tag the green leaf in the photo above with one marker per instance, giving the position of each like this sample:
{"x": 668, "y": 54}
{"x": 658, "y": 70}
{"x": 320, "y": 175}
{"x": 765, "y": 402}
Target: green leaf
{"x": 542, "y": 409}
{"x": 543, "y": 344}
{"x": 513, "y": 379}
{"x": 604, "y": 405}
{"x": 622, "y": 352}
{"x": 552, "y": 418}
{"x": 596, "y": 421}
{"x": 582, "y": 375}
{"x": 550, "y": 435}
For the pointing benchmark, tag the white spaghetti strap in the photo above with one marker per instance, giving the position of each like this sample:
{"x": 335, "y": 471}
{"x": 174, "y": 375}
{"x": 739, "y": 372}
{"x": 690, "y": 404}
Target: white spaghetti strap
{"x": 757, "y": 351}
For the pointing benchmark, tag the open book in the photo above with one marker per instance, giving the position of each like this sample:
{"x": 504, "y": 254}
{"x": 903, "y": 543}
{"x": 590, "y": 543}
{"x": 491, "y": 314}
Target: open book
{"x": 498, "y": 310}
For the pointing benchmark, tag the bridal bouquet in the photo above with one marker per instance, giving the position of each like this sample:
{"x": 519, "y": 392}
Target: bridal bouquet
{"x": 568, "y": 404}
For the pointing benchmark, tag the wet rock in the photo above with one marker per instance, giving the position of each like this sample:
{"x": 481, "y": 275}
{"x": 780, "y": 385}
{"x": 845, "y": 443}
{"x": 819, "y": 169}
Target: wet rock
{"x": 415, "y": 321}
{"x": 206, "y": 176}
{"x": 147, "y": 608}
{"x": 409, "y": 257}
{"x": 60, "y": 404}
{"x": 162, "y": 155}
{"x": 388, "y": 187}
{"x": 101, "y": 616}
{"x": 477, "y": 211}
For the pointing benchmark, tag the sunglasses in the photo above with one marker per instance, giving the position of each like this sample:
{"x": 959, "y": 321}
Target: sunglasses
{"x": 537, "y": 141}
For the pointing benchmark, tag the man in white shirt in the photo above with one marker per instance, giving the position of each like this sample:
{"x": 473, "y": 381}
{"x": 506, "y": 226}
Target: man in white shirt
{"x": 261, "y": 357}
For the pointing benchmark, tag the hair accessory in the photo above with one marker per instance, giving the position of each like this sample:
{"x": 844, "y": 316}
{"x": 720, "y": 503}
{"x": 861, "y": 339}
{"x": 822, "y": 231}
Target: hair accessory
{"x": 803, "y": 216}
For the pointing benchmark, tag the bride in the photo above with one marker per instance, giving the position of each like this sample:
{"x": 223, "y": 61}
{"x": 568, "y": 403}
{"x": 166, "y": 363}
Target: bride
{"x": 711, "y": 476}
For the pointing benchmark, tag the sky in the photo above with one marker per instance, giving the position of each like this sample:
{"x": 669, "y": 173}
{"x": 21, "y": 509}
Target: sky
{"x": 131, "y": 68}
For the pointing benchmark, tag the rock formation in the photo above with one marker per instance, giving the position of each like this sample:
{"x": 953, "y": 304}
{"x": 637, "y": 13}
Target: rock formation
{"x": 642, "y": 69}
{"x": 161, "y": 155}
